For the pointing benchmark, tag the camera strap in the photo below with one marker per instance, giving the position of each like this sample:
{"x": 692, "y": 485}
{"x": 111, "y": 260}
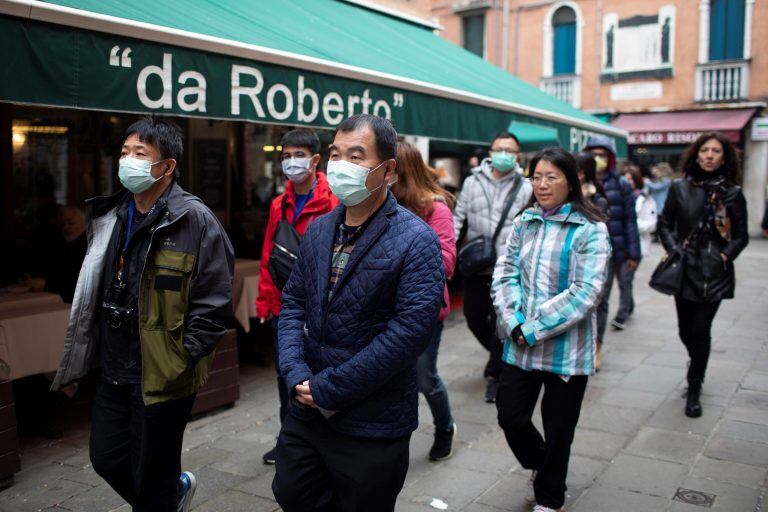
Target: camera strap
{"x": 128, "y": 231}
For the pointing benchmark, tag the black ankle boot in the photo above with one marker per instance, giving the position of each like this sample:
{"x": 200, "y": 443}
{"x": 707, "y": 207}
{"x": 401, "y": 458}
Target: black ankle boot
{"x": 693, "y": 402}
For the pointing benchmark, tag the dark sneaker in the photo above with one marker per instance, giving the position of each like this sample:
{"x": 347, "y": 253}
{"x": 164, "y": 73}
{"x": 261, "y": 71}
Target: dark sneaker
{"x": 491, "y": 389}
{"x": 619, "y": 324}
{"x": 269, "y": 457}
{"x": 442, "y": 447}
{"x": 187, "y": 485}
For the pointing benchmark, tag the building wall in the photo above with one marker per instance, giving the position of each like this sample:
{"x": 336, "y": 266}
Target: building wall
{"x": 526, "y": 47}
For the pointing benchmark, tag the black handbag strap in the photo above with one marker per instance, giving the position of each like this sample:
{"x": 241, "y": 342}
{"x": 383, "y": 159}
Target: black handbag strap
{"x": 507, "y": 207}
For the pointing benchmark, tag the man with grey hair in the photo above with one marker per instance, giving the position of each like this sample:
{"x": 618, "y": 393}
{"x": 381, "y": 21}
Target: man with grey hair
{"x": 357, "y": 311}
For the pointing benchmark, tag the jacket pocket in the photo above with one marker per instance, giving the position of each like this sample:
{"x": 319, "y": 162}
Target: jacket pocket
{"x": 164, "y": 304}
{"x": 167, "y": 365}
{"x": 165, "y": 295}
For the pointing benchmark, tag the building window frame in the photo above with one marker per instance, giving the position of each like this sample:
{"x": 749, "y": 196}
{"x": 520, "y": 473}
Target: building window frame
{"x": 465, "y": 17}
{"x": 705, "y": 10}
{"x": 549, "y": 38}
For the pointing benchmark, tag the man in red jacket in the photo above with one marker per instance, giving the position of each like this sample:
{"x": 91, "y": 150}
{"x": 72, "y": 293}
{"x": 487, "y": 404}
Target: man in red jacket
{"x": 307, "y": 196}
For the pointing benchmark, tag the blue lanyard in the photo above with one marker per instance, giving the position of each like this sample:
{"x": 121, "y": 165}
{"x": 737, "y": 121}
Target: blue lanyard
{"x": 131, "y": 209}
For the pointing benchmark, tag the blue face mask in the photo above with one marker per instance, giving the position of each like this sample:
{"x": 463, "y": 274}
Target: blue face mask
{"x": 135, "y": 174}
{"x": 347, "y": 181}
{"x": 503, "y": 161}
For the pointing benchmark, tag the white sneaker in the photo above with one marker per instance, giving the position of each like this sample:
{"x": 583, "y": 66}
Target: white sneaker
{"x": 530, "y": 495}
{"x": 542, "y": 508}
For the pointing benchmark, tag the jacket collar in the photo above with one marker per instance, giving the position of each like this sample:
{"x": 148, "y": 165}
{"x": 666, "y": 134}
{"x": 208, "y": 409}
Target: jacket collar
{"x": 378, "y": 224}
{"x": 486, "y": 169}
{"x": 320, "y": 193}
{"x": 565, "y": 215}
{"x": 174, "y": 199}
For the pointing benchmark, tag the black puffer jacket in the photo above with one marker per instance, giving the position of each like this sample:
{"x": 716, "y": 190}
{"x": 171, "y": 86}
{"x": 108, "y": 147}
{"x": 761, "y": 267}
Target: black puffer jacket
{"x": 707, "y": 277}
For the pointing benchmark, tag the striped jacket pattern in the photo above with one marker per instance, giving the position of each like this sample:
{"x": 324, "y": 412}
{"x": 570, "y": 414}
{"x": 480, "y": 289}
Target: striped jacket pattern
{"x": 548, "y": 280}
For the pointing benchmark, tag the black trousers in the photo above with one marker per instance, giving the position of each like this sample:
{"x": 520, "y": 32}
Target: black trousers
{"x": 136, "y": 448}
{"x": 694, "y": 320}
{"x": 282, "y": 389}
{"x": 319, "y": 469}
{"x": 481, "y": 320}
{"x": 560, "y": 408}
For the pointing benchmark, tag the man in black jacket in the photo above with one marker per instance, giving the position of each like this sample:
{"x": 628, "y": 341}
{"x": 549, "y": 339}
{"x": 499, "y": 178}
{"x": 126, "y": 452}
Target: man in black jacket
{"x": 622, "y": 228}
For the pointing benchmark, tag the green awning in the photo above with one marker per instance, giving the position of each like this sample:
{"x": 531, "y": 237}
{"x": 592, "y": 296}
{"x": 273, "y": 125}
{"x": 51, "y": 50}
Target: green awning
{"x": 534, "y": 137}
{"x": 298, "y": 62}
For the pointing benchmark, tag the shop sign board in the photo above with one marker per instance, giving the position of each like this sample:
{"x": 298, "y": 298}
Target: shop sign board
{"x": 673, "y": 138}
{"x": 760, "y": 129}
{"x": 53, "y": 65}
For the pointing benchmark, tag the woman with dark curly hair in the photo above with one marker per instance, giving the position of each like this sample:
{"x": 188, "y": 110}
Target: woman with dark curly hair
{"x": 706, "y": 212}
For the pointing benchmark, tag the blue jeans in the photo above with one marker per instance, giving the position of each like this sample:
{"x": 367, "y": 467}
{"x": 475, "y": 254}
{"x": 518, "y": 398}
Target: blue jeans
{"x": 430, "y": 383}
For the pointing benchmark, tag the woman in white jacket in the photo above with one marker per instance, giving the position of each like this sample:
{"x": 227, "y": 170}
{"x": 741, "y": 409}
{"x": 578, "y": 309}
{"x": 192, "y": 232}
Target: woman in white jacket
{"x": 645, "y": 207}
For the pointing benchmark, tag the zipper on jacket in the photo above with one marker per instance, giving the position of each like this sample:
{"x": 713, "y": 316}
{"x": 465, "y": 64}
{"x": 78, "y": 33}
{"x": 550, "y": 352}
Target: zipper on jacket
{"x": 285, "y": 251}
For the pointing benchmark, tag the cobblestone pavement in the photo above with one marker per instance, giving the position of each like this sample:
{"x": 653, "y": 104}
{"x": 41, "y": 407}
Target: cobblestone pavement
{"x": 634, "y": 450}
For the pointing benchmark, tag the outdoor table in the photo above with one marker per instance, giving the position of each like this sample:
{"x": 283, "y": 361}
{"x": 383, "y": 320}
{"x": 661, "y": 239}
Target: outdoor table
{"x": 245, "y": 289}
{"x": 32, "y": 330}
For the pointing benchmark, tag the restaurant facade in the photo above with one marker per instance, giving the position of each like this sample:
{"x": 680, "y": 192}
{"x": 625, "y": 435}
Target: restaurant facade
{"x": 77, "y": 73}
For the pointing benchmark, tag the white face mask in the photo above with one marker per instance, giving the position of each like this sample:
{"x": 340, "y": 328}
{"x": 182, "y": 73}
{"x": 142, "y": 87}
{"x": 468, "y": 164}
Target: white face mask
{"x": 347, "y": 181}
{"x": 296, "y": 169}
{"x": 136, "y": 174}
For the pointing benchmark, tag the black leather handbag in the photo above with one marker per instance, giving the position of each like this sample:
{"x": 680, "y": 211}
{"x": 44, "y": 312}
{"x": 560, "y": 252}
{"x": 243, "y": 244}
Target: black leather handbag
{"x": 479, "y": 254}
{"x": 668, "y": 276}
{"x": 285, "y": 251}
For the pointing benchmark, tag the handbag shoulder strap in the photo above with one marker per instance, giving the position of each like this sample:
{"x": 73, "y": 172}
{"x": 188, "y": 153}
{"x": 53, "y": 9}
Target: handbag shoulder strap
{"x": 508, "y": 206}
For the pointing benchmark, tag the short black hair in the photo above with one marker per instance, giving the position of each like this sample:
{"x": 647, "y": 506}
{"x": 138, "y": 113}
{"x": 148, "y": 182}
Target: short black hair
{"x": 302, "y": 138}
{"x": 162, "y": 133}
{"x": 505, "y": 135}
{"x": 386, "y": 136}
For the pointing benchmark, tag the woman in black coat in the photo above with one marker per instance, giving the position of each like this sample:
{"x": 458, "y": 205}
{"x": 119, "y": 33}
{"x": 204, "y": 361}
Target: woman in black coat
{"x": 706, "y": 212}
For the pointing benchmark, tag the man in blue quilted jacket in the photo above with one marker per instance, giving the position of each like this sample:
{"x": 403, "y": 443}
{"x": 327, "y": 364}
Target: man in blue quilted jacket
{"x": 622, "y": 228}
{"x": 357, "y": 311}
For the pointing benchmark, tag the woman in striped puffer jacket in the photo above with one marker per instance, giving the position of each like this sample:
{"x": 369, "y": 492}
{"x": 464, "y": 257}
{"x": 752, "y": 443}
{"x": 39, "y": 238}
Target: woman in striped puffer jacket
{"x": 546, "y": 287}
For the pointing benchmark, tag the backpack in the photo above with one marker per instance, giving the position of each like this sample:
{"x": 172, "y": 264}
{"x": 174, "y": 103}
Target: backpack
{"x": 285, "y": 250}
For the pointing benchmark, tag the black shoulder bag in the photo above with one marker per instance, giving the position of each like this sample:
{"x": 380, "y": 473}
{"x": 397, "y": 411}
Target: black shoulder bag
{"x": 479, "y": 254}
{"x": 667, "y": 278}
{"x": 285, "y": 251}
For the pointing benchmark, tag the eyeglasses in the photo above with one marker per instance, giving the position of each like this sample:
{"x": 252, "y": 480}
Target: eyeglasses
{"x": 505, "y": 151}
{"x": 549, "y": 180}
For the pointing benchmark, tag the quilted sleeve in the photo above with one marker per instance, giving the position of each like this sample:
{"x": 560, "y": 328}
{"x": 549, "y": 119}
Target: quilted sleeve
{"x": 290, "y": 327}
{"x": 418, "y": 299}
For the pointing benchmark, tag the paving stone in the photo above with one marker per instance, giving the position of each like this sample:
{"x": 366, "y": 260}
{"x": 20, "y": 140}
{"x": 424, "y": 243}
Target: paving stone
{"x": 666, "y": 445}
{"x": 201, "y": 456}
{"x": 211, "y": 482}
{"x": 597, "y": 445}
{"x": 42, "y": 495}
{"x": 259, "y": 486}
{"x": 654, "y": 379}
{"x": 457, "y": 487}
{"x": 235, "y": 501}
{"x": 507, "y": 493}
{"x": 730, "y": 472}
{"x": 98, "y": 498}
{"x": 632, "y": 398}
{"x": 612, "y": 419}
{"x": 475, "y": 460}
{"x": 671, "y": 416}
{"x": 728, "y": 497}
{"x": 737, "y": 450}
{"x": 582, "y": 471}
{"x": 743, "y": 430}
{"x": 600, "y": 497}
{"x": 756, "y": 381}
{"x": 646, "y": 476}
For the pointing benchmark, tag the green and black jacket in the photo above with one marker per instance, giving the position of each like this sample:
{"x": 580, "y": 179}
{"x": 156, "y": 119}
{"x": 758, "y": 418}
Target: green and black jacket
{"x": 178, "y": 327}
